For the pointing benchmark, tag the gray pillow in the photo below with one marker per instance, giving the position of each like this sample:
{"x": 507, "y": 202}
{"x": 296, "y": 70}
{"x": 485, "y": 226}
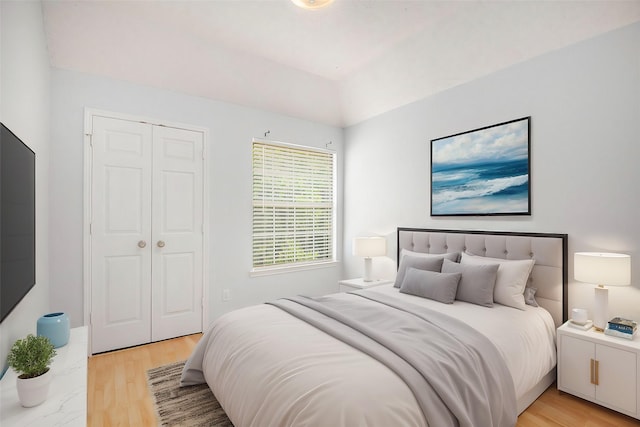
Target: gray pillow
{"x": 453, "y": 256}
{"x": 477, "y": 282}
{"x": 419, "y": 262}
{"x": 511, "y": 279}
{"x": 429, "y": 284}
{"x": 529, "y": 296}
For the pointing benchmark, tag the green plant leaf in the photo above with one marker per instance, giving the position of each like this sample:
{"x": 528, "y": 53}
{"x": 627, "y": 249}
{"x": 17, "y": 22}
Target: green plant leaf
{"x": 31, "y": 356}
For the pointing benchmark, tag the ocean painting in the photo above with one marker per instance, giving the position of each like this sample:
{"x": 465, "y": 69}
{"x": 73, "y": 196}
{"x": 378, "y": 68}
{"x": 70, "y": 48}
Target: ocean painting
{"x": 482, "y": 172}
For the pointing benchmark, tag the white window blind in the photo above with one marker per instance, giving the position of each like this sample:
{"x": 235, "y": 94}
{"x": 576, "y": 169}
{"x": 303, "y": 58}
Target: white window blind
{"x": 293, "y": 205}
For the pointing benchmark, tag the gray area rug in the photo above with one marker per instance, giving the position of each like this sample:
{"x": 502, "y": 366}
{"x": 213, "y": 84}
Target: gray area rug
{"x": 183, "y": 406}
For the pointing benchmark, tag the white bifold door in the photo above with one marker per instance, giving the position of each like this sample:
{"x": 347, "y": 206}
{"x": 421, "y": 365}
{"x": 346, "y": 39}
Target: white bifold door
{"x": 146, "y": 233}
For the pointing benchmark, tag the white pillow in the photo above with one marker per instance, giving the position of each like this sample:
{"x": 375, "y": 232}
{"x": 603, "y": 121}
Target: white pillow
{"x": 510, "y": 281}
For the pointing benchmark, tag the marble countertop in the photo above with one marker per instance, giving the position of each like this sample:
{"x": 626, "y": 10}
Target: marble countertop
{"x": 66, "y": 404}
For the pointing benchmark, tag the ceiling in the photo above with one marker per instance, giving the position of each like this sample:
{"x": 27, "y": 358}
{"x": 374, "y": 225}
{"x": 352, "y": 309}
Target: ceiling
{"x": 338, "y": 65}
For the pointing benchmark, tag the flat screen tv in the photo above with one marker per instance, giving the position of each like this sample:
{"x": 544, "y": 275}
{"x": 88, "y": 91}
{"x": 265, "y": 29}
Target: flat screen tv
{"x": 17, "y": 220}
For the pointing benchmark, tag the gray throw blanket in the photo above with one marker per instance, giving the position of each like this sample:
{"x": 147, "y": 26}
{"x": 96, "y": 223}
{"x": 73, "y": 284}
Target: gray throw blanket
{"x": 456, "y": 374}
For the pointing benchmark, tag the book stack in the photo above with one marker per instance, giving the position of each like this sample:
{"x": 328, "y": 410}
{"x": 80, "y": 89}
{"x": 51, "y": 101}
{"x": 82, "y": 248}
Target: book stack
{"x": 622, "y": 328}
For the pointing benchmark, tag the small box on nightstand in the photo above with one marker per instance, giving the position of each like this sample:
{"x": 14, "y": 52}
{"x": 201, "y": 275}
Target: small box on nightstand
{"x": 354, "y": 284}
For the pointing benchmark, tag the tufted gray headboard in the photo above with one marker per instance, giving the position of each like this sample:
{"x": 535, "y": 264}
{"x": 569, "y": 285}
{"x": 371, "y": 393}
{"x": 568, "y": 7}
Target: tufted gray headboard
{"x": 549, "y": 275}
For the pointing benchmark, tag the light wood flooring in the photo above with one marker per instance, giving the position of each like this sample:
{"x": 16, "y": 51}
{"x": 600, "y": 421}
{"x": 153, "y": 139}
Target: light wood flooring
{"x": 118, "y": 394}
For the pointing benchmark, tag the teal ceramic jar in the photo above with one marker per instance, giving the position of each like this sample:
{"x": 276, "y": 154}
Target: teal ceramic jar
{"x": 56, "y": 327}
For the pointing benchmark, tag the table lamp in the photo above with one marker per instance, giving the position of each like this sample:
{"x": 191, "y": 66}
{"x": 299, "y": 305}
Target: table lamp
{"x": 368, "y": 247}
{"x": 602, "y": 269}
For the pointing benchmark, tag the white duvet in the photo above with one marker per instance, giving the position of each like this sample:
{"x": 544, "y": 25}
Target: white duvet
{"x": 268, "y": 368}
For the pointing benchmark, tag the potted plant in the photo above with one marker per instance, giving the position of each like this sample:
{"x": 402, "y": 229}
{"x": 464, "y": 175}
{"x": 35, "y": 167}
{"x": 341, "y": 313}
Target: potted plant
{"x": 30, "y": 358}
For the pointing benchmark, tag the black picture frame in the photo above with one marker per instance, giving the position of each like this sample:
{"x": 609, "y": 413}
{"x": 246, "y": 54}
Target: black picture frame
{"x": 483, "y": 172}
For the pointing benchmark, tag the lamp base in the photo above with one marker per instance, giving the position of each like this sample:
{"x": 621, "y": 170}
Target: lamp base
{"x": 601, "y": 302}
{"x": 367, "y": 270}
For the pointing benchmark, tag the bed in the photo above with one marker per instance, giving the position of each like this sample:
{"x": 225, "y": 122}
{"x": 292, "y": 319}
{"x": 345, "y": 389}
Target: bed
{"x": 391, "y": 355}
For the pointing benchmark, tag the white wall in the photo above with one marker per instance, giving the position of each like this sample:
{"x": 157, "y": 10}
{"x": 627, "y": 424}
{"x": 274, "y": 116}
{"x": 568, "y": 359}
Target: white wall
{"x": 24, "y": 91}
{"x": 231, "y": 129}
{"x": 585, "y": 106}
{"x": 584, "y": 103}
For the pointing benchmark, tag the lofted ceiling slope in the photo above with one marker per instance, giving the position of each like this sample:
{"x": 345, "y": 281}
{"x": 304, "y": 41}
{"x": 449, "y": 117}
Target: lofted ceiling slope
{"x": 339, "y": 65}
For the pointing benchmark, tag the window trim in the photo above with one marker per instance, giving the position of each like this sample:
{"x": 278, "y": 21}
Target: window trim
{"x": 291, "y": 268}
{"x": 304, "y": 265}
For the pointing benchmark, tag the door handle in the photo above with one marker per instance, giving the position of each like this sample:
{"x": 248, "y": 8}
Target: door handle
{"x": 595, "y": 372}
{"x": 142, "y": 244}
{"x": 160, "y": 243}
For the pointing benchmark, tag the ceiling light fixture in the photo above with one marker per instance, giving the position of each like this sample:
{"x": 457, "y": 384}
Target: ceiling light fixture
{"x": 311, "y": 4}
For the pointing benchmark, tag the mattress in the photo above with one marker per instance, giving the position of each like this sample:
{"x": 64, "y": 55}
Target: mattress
{"x": 267, "y": 367}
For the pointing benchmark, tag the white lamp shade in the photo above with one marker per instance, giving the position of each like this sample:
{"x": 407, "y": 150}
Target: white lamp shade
{"x": 369, "y": 246}
{"x": 602, "y": 268}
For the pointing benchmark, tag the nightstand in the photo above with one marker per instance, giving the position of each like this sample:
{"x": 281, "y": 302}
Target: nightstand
{"x": 354, "y": 284}
{"x": 600, "y": 368}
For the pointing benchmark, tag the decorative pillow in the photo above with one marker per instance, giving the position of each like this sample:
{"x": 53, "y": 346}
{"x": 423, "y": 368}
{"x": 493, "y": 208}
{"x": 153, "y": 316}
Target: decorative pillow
{"x": 453, "y": 256}
{"x": 510, "y": 281}
{"x": 429, "y": 284}
{"x": 477, "y": 282}
{"x": 419, "y": 262}
{"x": 529, "y": 296}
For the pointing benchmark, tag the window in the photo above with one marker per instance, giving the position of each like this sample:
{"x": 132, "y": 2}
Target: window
{"x": 293, "y": 205}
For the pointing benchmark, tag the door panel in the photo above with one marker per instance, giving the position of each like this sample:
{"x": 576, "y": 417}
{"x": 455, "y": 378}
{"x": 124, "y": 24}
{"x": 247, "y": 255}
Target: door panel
{"x": 121, "y": 217}
{"x": 178, "y": 216}
{"x": 617, "y": 378}
{"x": 575, "y": 375}
{"x": 122, "y": 193}
{"x": 179, "y": 270}
{"x": 178, "y": 203}
{"x": 123, "y": 300}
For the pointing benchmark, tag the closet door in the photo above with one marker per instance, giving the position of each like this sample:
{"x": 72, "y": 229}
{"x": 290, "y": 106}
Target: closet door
{"x": 120, "y": 234}
{"x": 177, "y": 232}
{"x": 146, "y": 233}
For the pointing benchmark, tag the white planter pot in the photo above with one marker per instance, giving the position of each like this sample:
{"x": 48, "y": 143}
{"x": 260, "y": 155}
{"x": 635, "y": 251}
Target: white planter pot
{"x": 33, "y": 391}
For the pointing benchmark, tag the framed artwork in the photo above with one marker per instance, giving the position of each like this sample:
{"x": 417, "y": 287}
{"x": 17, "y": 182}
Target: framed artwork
{"x": 484, "y": 171}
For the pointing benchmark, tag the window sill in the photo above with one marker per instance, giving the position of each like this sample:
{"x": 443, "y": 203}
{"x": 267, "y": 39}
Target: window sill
{"x": 268, "y": 271}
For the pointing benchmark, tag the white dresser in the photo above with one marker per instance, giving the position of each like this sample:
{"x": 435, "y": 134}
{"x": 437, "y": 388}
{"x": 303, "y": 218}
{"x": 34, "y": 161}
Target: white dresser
{"x": 66, "y": 404}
